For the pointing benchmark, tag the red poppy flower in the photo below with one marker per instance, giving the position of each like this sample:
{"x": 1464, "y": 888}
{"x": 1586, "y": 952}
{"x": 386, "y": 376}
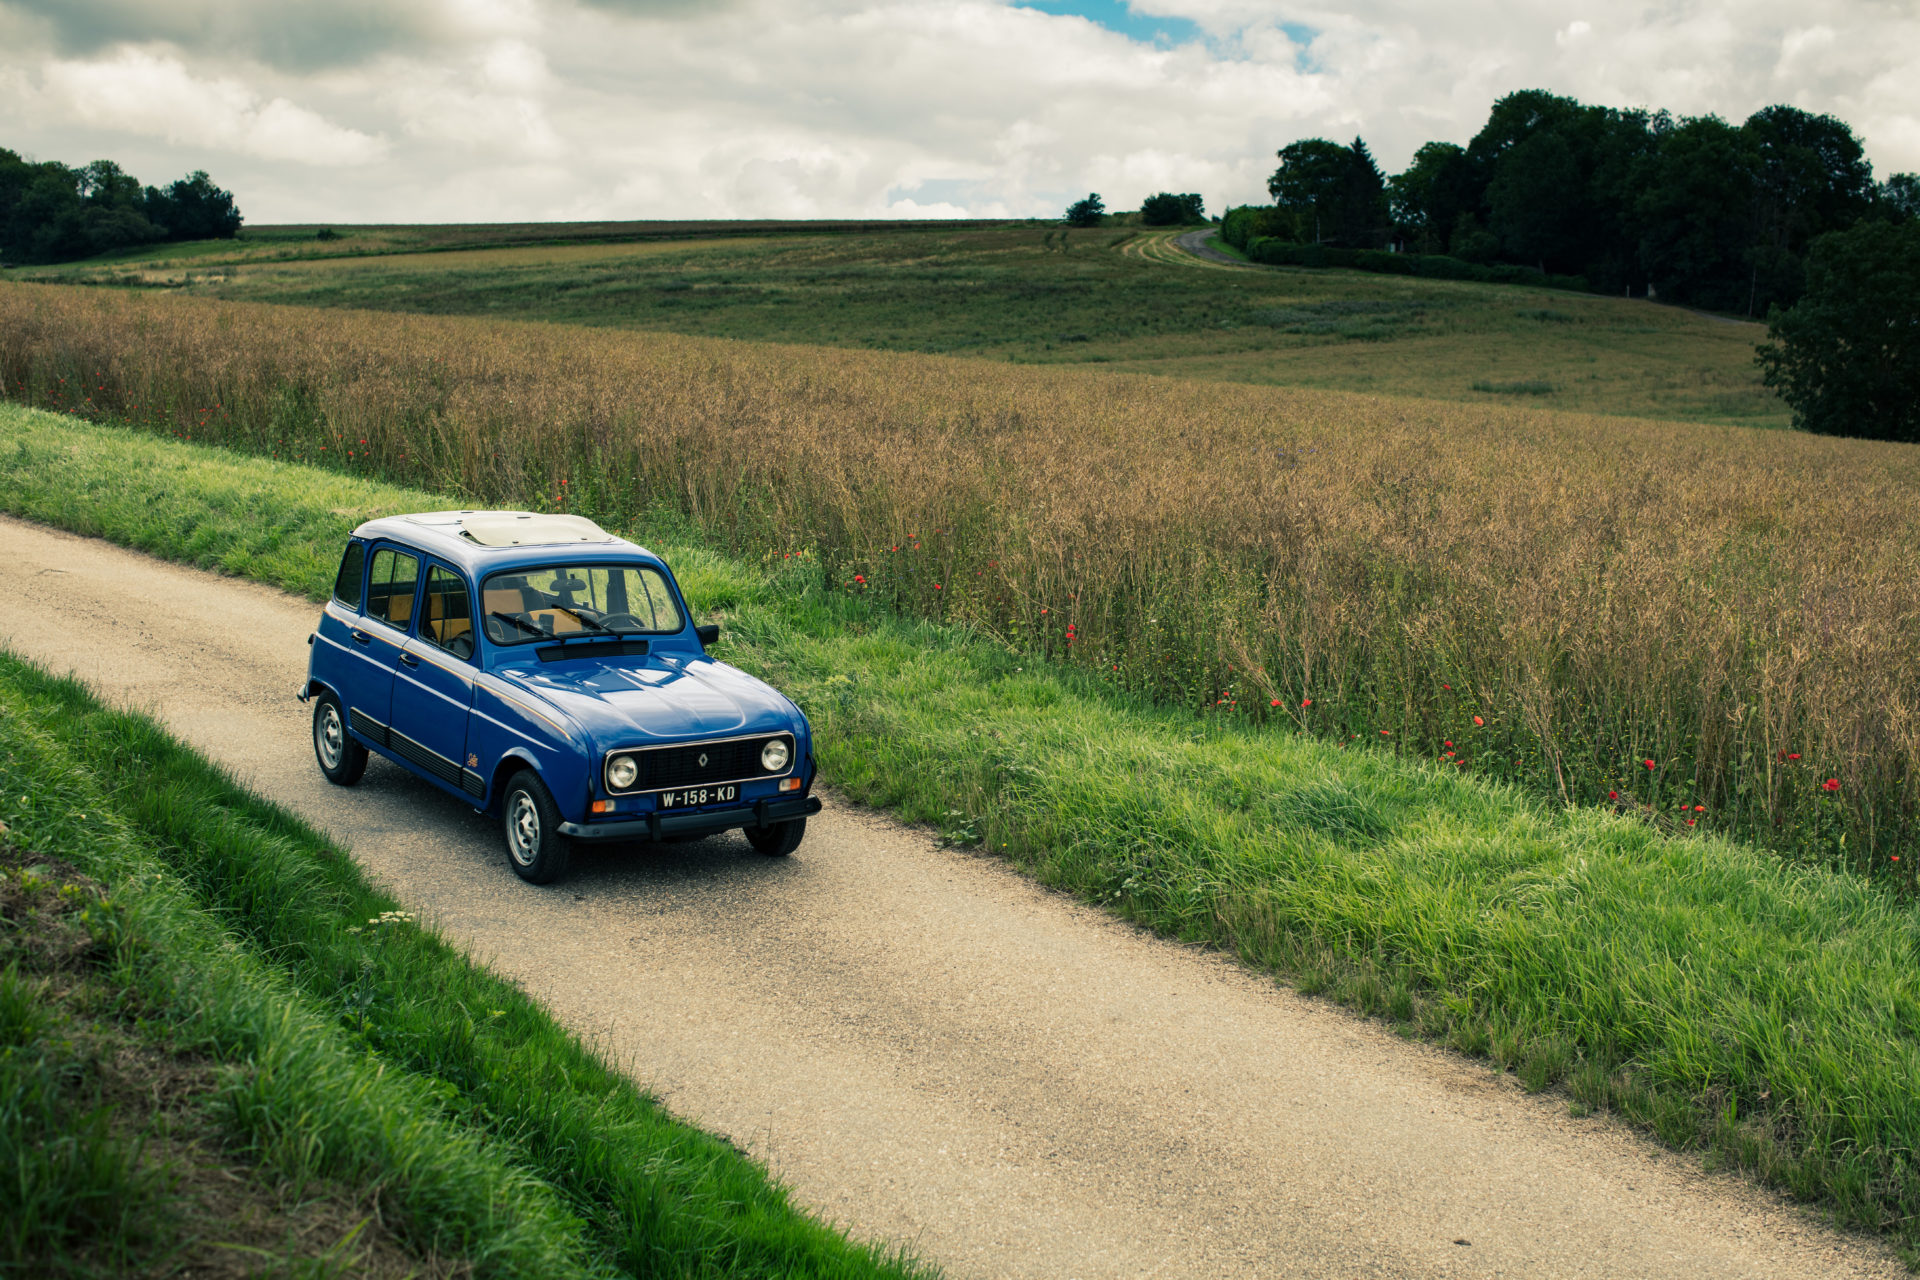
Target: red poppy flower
{"x": 1478, "y": 721}
{"x": 1386, "y": 733}
{"x": 936, "y": 586}
{"x": 1793, "y": 755}
{"x": 1274, "y": 703}
{"x": 1689, "y": 821}
{"x": 1447, "y": 744}
{"x": 1447, "y": 687}
{"x": 1647, "y": 763}
{"x": 1306, "y": 702}
{"x": 1613, "y": 795}
{"x": 1699, "y": 808}
{"x": 1831, "y": 784}
{"x": 860, "y": 577}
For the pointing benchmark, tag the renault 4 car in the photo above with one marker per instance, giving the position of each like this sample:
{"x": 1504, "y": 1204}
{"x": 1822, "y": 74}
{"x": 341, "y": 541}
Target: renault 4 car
{"x": 551, "y": 675}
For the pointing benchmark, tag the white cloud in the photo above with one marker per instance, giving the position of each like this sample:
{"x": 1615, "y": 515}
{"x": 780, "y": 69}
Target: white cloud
{"x": 483, "y": 109}
{"x": 140, "y": 92}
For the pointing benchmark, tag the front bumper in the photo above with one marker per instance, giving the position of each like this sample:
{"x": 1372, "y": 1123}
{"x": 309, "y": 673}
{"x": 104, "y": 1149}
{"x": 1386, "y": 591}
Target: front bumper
{"x": 761, "y": 813}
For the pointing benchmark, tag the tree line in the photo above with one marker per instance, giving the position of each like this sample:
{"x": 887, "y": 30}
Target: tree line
{"x": 52, "y": 213}
{"x": 1161, "y": 209}
{"x": 1695, "y": 209}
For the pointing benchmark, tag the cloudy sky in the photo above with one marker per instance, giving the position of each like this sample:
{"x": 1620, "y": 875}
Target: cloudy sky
{"x": 487, "y": 110}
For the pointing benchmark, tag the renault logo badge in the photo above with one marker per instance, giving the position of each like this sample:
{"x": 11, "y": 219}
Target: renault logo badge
{"x": 703, "y": 761}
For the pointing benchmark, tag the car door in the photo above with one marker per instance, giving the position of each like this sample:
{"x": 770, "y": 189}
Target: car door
{"x": 433, "y": 685}
{"x": 393, "y": 582}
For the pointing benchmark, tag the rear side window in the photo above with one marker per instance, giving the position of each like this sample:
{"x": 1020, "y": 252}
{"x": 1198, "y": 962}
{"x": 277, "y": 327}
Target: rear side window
{"x": 390, "y": 587}
{"x": 346, "y": 585}
{"x": 448, "y": 620}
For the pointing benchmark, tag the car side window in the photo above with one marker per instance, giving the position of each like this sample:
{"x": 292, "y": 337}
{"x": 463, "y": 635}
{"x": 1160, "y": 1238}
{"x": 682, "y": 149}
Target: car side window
{"x": 448, "y": 620}
{"x": 390, "y": 587}
{"x": 346, "y": 584}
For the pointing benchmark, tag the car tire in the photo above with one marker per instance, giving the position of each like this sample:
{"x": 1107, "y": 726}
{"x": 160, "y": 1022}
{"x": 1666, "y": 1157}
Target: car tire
{"x": 530, "y": 820}
{"x": 341, "y": 758}
{"x": 778, "y": 840}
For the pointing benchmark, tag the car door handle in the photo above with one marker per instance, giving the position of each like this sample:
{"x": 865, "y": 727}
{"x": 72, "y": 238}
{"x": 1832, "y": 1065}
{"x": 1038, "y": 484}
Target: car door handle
{"x": 409, "y": 659}
{"x": 360, "y": 637}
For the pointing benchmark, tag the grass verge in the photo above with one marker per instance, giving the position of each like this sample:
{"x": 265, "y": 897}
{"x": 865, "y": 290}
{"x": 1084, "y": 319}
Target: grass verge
{"x": 1727, "y": 1001}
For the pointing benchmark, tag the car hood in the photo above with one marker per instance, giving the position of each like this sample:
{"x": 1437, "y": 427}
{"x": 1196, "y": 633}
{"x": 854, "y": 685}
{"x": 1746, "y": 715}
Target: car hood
{"x": 624, "y": 701}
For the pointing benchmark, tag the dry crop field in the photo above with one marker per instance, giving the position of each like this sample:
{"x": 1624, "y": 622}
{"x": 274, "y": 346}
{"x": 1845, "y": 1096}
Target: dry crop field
{"x": 1716, "y": 625}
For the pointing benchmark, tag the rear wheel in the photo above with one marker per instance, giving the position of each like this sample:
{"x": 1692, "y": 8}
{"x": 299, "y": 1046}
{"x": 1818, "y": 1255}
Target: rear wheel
{"x": 778, "y": 840}
{"x": 536, "y": 850}
{"x": 341, "y": 758}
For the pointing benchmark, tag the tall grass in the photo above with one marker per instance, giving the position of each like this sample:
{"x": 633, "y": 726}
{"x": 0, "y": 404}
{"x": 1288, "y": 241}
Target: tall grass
{"x": 1671, "y": 616}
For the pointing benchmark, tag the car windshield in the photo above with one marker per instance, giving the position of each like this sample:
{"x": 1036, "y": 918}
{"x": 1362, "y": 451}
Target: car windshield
{"x": 529, "y": 605}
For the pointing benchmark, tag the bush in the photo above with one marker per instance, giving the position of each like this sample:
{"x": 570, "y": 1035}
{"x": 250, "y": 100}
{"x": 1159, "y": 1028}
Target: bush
{"x": 1284, "y": 253}
{"x": 1847, "y": 355}
{"x": 1242, "y": 223}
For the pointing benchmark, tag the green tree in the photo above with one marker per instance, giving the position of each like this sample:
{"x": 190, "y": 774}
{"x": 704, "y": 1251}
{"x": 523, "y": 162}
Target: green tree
{"x": 1428, "y": 198}
{"x": 1846, "y": 356}
{"x": 1331, "y": 194}
{"x": 1534, "y": 199}
{"x": 1306, "y": 186}
{"x": 1898, "y": 197}
{"x": 1164, "y": 209}
{"x": 194, "y": 209}
{"x": 1086, "y": 213}
{"x": 1362, "y": 218}
{"x": 1694, "y": 214}
{"x": 1810, "y": 176}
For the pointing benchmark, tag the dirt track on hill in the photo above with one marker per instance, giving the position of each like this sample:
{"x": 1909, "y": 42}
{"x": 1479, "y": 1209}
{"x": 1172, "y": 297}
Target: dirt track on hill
{"x": 928, "y": 1048}
{"x": 1195, "y": 243}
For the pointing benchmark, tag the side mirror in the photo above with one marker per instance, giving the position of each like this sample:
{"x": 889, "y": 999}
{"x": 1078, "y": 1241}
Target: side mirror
{"x": 708, "y": 632}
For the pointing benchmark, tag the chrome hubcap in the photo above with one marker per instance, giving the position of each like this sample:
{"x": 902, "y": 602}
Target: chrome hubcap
{"x": 328, "y": 737}
{"x": 523, "y": 828}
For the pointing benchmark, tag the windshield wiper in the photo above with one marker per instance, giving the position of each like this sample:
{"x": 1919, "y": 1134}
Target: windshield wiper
{"x": 523, "y": 624}
{"x": 585, "y": 621}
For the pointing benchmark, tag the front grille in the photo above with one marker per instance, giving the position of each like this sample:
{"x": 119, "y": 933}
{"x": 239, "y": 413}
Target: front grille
{"x": 737, "y": 761}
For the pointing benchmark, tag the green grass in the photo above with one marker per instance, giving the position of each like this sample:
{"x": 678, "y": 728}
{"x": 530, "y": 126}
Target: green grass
{"x": 1727, "y": 1001}
{"x": 1029, "y": 294}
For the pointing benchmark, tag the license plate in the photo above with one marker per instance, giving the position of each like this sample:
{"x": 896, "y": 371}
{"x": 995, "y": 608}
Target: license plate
{"x": 694, "y": 797}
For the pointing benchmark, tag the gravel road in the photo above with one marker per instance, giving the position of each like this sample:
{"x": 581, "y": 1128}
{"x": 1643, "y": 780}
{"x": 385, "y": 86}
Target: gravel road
{"x": 1197, "y": 244}
{"x": 928, "y": 1048}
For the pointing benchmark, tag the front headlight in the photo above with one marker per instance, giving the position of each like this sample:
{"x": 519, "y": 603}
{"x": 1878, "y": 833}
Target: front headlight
{"x": 622, "y": 772}
{"x": 774, "y": 756}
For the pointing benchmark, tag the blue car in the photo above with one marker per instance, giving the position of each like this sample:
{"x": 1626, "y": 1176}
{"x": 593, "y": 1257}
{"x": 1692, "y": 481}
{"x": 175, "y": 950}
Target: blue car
{"x": 550, "y": 674}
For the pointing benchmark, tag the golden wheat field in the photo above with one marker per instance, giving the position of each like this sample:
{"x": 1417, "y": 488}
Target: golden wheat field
{"x": 1668, "y": 614}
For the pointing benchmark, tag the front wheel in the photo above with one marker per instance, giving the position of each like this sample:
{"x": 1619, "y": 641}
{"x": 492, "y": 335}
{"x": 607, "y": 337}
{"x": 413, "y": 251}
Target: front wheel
{"x": 779, "y": 840}
{"x": 536, "y": 850}
{"x": 341, "y": 759}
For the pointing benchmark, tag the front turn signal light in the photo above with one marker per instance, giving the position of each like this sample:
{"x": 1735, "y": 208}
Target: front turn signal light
{"x": 789, "y": 784}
